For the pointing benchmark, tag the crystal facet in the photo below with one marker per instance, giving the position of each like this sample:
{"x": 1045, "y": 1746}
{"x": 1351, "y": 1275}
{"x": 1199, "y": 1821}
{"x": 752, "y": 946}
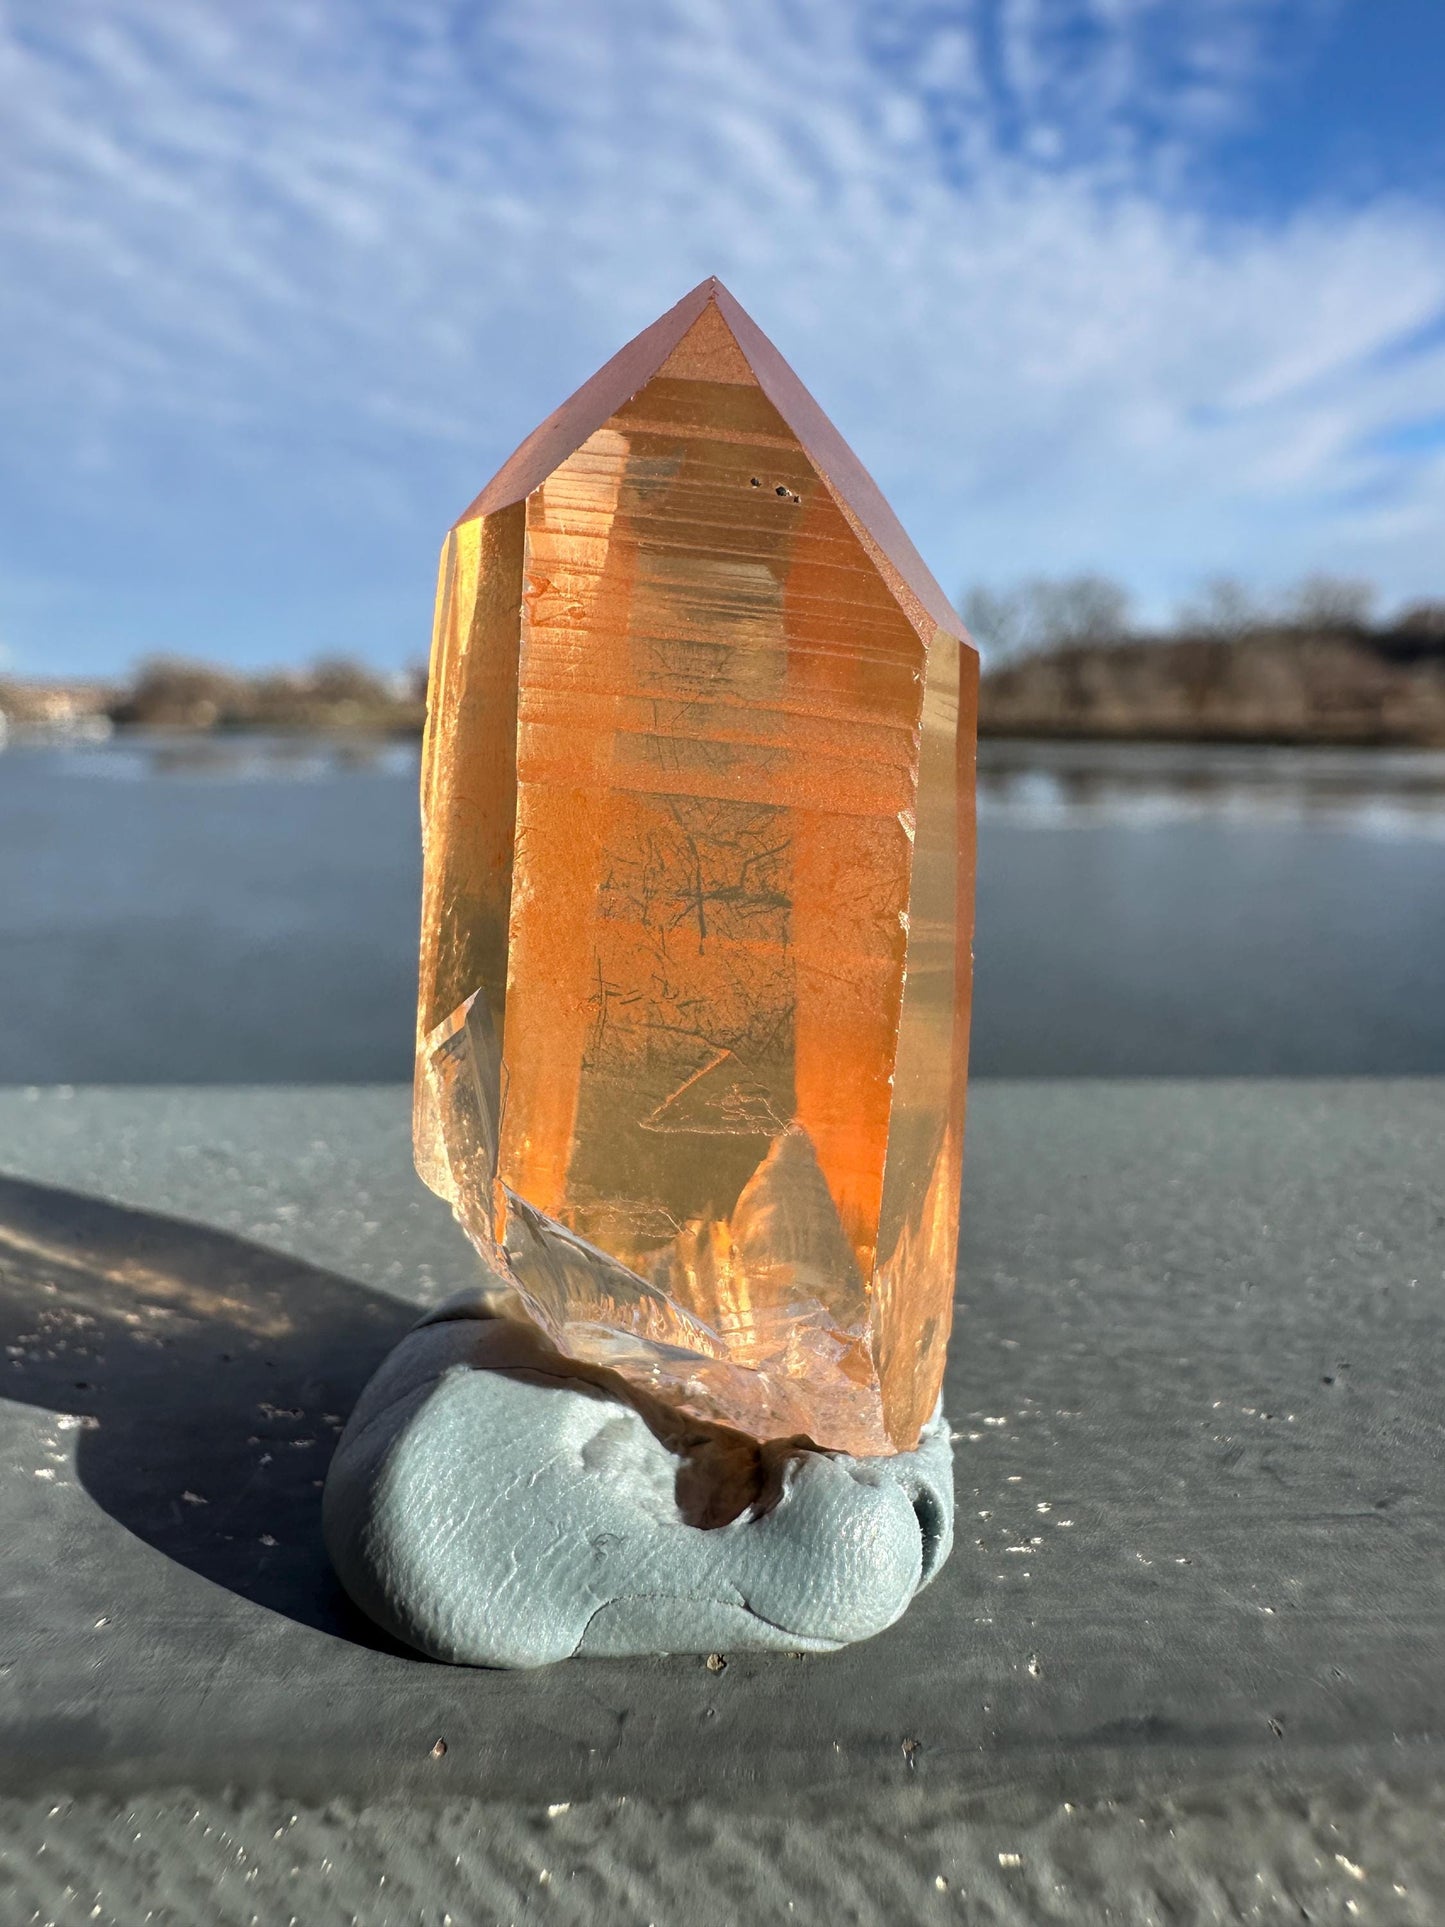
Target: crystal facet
{"x": 698, "y": 815}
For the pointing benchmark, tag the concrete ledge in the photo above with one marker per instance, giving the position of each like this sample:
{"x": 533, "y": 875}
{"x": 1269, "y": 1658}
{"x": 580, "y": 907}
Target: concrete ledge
{"x": 1195, "y": 1381}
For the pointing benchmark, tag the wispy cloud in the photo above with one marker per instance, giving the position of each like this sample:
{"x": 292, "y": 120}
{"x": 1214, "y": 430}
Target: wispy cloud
{"x": 273, "y": 273}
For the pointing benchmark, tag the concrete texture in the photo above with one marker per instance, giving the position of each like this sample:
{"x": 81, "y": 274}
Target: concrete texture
{"x": 1260, "y": 1854}
{"x": 1196, "y": 1381}
{"x": 493, "y": 1504}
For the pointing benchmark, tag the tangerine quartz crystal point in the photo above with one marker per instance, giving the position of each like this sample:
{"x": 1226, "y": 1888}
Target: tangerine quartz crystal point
{"x": 698, "y": 824}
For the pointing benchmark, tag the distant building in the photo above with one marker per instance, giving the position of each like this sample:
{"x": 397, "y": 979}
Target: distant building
{"x": 78, "y": 708}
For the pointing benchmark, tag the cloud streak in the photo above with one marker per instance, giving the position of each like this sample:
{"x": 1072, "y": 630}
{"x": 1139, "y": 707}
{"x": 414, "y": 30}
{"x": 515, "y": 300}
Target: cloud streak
{"x": 303, "y": 273}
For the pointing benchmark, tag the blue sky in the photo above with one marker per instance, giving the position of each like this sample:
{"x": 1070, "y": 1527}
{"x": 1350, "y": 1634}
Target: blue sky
{"x": 1150, "y": 286}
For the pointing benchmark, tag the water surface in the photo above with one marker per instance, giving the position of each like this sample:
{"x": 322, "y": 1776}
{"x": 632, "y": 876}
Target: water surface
{"x": 244, "y": 909}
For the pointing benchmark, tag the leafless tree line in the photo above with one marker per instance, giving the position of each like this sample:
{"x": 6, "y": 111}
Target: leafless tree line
{"x": 1043, "y": 613}
{"x": 169, "y": 692}
{"x": 1063, "y": 658}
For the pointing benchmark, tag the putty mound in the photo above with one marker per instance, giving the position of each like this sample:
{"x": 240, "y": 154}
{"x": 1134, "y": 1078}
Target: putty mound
{"x": 494, "y": 1504}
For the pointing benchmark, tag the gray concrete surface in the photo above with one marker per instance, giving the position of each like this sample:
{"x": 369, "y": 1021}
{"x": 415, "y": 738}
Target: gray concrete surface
{"x": 1197, "y": 1380}
{"x": 1364, "y": 1856}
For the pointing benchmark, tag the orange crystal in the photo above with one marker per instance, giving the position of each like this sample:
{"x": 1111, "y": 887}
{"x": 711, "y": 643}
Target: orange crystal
{"x": 698, "y": 822}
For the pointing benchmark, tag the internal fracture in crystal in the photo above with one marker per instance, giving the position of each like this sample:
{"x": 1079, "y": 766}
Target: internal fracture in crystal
{"x": 697, "y": 801}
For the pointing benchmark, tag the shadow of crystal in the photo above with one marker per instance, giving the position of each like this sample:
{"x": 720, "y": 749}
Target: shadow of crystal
{"x": 204, "y": 1379}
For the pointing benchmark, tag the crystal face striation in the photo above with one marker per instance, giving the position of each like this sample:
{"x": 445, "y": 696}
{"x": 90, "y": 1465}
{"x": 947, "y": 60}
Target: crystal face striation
{"x": 698, "y": 825}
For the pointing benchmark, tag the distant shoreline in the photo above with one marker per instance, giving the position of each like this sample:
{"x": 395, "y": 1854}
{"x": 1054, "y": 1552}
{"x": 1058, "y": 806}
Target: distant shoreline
{"x": 1272, "y": 686}
{"x": 1278, "y": 685}
{"x": 101, "y": 730}
{"x": 1121, "y": 737}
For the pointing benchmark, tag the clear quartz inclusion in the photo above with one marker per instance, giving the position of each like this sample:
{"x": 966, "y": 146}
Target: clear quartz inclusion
{"x": 698, "y": 824}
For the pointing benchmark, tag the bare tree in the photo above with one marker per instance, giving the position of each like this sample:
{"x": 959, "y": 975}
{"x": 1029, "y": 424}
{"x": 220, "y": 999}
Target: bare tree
{"x": 1323, "y": 601}
{"x": 1046, "y": 613}
{"x": 338, "y": 679}
{"x": 1072, "y": 611}
{"x": 1423, "y": 619}
{"x": 171, "y": 692}
{"x": 998, "y": 622}
{"x": 1222, "y": 607}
